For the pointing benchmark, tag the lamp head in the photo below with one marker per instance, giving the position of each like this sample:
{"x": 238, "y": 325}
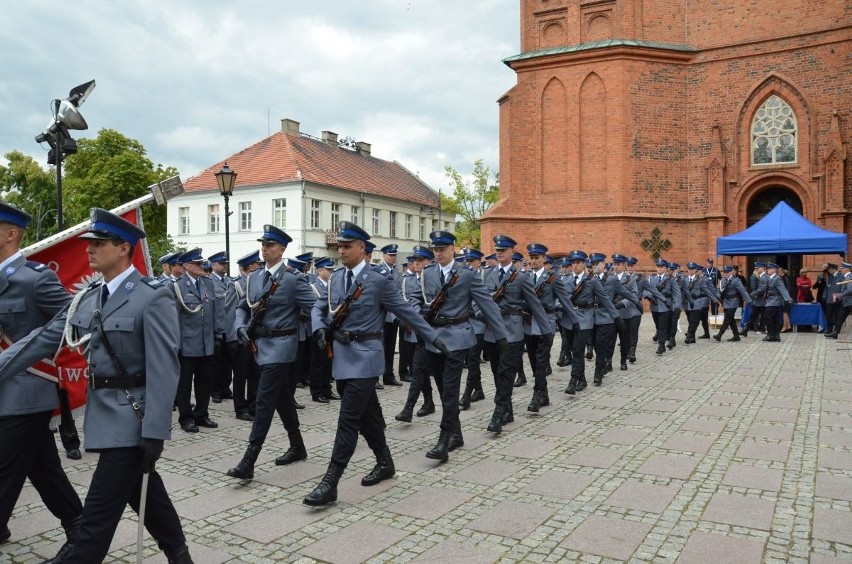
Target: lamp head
{"x": 226, "y": 179}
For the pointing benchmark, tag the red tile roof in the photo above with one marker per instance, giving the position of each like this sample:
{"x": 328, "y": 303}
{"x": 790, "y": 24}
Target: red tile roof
{"x": 285, "y": 157}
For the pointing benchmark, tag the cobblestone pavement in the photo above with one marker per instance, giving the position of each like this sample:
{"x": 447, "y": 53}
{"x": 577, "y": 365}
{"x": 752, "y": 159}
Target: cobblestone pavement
{"x": 716, "y": 452}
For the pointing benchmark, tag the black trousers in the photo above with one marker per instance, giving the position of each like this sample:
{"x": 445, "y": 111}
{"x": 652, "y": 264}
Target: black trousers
{"x": 622, "y": 329}
{"x": 28, "y": 450}
{"x": 757, "y": 319}
{"x": 420, "y": 377}
{"x": 538, "y": 353}
{"x": 360, "y": 412}
{"x": 635, "y": 322}
{"x": 567, "y": 340}
{"x": 198, "y": 370}
{"x": 842, "y": 314}
{"x": 246, "y": 377}
{"x": 304, "y": 357}
{"x": 320, "y": 370}
{"x": 673, "y": 324}
{"x": 67, "y": 426}
{"x": 729, "y": 322}
{"x": 406, "y": 353}
{"x": 578, "y": 362}
{"x": 694, "y": 317}
{"x": 831, "y": 310}
{"x": 773, "y": 321}
{"x": 116, "y": 482}
{"x": 504, "y": 366}
{"x": 474, "y": 370}
{"x": 274, "y": 393}
{"x": 447, "y": 371}
{"x": 390, "y": 331}
{"x": 604, "y": 344}
{"x": 663, "y": 321}
{"x": 223, "y": 369}
{"x": 705, "y": 320}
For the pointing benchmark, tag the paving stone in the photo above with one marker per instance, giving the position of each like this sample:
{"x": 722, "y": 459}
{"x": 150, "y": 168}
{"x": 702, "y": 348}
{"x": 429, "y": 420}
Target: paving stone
{"x": 669, "y": 466}
{"x": 717, "y": 410}
{"x": 841, "y": 438}
{"x": 487, "y": 473}
{"x": 764, "y": 451}
{"x": 622, "y": 436}
{"x": 679, "y": 395}
{"x": 290, "y": 475}
{"x": 611, "y": 401}
{"x": 644, "y": 419}
{"x": 835, "y": 459}
{"x": 740, "y": 511}
{"x": 754, "y": 477}
{"x": 726, "y": 399}
{"x": 409, "y": 432}
{"x": 430, "y": 503}
{"x": 704, "y": 425}
{"x": 689, "y": 443}
{"x": 612, "y": 538}
{"x": 458, "y": 553}
{"x": 563, "y": 430}
{"x": 269, "y": 525}
{"x": 198, "y": 447}
{"x": 351, "y": 491}
{"x": 833, "y": 525}
{"x": 596, "y": 457}
{"x": 834, "y": 487}
{"x": 777, "y": 415}
{"x": 668, "y": 406}
{"x": 785, "y": 403}
{"x": 511, "y": 519}
{"x": 652, "y": 498}
{"x": 32, "y": 524}
{"x": 710, "y": 547}
{"x": 816, "y": 558}
{"x": 528, "y": 448}
{"x": 774, "y": 432}
{"x": 590, "y": 414}
{"x": 211, "y": 502}
{"x": 355, "y": 543}
{"x": 563, "y": 485}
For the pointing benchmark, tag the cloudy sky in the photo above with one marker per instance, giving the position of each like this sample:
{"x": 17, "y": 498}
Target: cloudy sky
{"x": 197, "y": 81}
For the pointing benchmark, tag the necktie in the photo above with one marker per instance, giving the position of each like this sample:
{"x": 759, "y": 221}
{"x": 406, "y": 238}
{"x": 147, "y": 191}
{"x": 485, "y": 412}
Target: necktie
{"x": 104, "y": 295}
{"x": 500, "y": 277}
{"x": 198, "y": 285}
{"x": 348, "y": 281}
{"x": 576, "y": 279}
{"x": 443, "y": 278}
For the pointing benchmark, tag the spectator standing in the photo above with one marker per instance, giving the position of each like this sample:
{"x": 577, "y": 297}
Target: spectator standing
{"x": 803, "y": 288}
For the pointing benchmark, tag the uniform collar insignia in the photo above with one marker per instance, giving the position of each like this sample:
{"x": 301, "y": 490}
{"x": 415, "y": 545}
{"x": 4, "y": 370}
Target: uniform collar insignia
{"x": 128, "y": 287}
{"x": 10, "y": 271}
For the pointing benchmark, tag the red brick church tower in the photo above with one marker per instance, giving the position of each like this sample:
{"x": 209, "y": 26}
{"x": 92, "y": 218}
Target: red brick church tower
{"x": 653, "y": 126}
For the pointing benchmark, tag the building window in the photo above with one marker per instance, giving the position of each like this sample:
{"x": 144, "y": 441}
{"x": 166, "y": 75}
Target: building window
{"x": 422, "y": 229}
{"x": 773, "y": 133}
{"x": 335, "y": 215}
{"x": 356, "y": 215}
{"x": 315, "y": 214}
{"x": 377, "y": 224}
{"x": 213, "y": 215}
{"x": 279, "y": 213}
{"x": 407, "y": 226}
{"x": 245, "y": 216}
{"x": 392, "y": 233}
{"x": 183, "y": 221}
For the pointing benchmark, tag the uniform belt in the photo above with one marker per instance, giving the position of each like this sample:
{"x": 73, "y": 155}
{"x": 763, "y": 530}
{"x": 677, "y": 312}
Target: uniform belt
{"x": 304, "y": 316}
{"x": 442, "y": 321}
{"x": 129, "y": 381}
{"x": 346, "y": 337}
{"x": 511, "y": 311}
{"x": 584, "y": 306}
{"x": 266, "y": 332}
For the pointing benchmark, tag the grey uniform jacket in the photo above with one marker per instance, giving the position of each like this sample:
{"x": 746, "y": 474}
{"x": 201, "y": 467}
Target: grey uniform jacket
{"x": 226, "y": 308}
{"x": 518, "y": 293}
{"x": 282, "y": 312}
{"x": 846, "y": 292}
{"x": 140, "y": 323}
{"x": 392, "y": 273}
{"x": 832, "y": 288}
{"x": 677, "y": 293}
{"x": 644, "y": 289}
{"x": 776, "y": 292}
{"x": 585, "y": 293}
{"x": 30, "y": 295}
{"x": 616, "y": 292}
{"x": 732, "y": 294}
{"x": 664, "y": 285}
{"x": 633, "y": 307}
{"x": 554, "y": 299}
{"x": 197, "y": 330}
{"x": 365, "y": 358}
{"x": 701, "y": 292}
{"x": 410, "y": 290}
{"x": 467, "y": 289}
{"x": 758, "y": 293}
{"x": 475, "y": 315}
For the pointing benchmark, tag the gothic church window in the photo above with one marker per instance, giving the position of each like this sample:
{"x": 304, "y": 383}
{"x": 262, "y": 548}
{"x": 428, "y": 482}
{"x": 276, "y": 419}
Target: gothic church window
{"x": 773, "y": 133}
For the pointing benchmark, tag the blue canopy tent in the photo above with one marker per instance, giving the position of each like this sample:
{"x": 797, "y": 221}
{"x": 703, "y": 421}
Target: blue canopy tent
{"x": 782, "y": 232}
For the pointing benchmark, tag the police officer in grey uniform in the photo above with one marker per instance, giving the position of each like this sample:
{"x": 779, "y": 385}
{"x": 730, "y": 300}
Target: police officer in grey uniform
{"x": 320, "y": 368}
{"x": 830, "y": 294}
{"x": 844, "y": 305}
{"x": 757, "y": 319}
{"x": 225, "y": 349}
{"x": 128, "y": 329}
{"x": 661, "y": 310}
{"x": 358, "y": 361}
{"x": 195, "y": 299}
{"x": 388, "y": 267}
{"x": 278, "y": 293}
{"x": 513, "y": 291}
{"x": 776, "y": 295}
{"x": 619, "y": 277}
{"x": 678, "y": 291}
{"x": 30, "y": 295}
{"x": 732, "y": 295}
{"x": 473, "y": 385}
{"x": 246, "y": 370}
{"x": 701, "y": 292}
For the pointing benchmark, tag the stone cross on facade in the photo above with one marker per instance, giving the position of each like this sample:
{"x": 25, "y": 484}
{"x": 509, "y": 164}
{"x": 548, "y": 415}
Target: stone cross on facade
{"x": 656, "y": 244}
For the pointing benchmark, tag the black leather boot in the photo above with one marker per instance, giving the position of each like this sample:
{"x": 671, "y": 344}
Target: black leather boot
{"x": 582, "y": 384}
{"x": 509, "y": 415}
{"x": 296, "y": 452}
{"x": 477, "y": 395}
{"x": 456, "y": 440}
{"x": 5, "y": 535}
{"x": 672, "y": 344}
{"x": 72, "y": 527}
{"x": 544, "y": 398}
{"x": 718, "y": 337}
{"x": 441, "y": 449}
{"x": 599, "y": 374}
{"x": 608, "y": 368}
{"x": 632, "y": 356}
{"x": 521, "y": 380}
{"x": 535, "y": 402}
{"x": 661, "y": 347}
{"x": 464, "y": 402}
{"x": 383, "y": 470}
{"x": 496, "y": 424}
{"x": 244, "y": 470}
{"x": 326, "y": 491}
{"x": 623, "y": 363}
{"x": 572, "y": 387}
{"x": 179, "y": 556}
{"x": 589, "y": 352}
{"x": 406, "y": 413}
{"x": 428, "y": 408}
{"x": 563, "y": 360}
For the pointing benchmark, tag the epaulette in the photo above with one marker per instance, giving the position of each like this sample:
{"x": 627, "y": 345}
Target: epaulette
{"x": 381, "y": 269}
{"x": 429, "y": 266}
{"x": 37, "y": 266}
{"x": 152, "y": 282}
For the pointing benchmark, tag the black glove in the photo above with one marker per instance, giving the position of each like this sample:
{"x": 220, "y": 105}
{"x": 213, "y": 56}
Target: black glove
{"x": 788, "y": 302}
{"x": 547, "y": 339}
{"x": 232, "y": 349}
{"x": 503, "y": 344}
{"x": 619, "y": 305}
{"x": 319, "y": 339}
{"x": 151, "y": 449}
{"x": 243, "y": 336}
{"x": 442, "y": 348}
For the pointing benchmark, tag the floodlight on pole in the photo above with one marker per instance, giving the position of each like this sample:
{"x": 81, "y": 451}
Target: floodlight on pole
{"x": 66, "y": 116}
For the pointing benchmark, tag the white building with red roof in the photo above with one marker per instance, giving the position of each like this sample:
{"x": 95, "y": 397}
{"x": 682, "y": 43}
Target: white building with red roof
{"x": 306, "y": 186}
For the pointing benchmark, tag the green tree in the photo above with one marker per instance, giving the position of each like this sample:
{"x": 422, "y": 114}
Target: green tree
{"x": 25, "y": 184}
{"x": 109, "y": 171}
{"x": 469, "y": 199}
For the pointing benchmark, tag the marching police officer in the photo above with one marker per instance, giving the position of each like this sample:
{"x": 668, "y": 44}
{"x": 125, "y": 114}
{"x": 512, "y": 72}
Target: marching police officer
{"x": 320, "y": 370}
{"x": 757, "y": 320}
{"x": 268, "y": 322}
{"x": 225, "y": 349}
{"x": 30, "y": 295}
{"x": 661, "y": 310}
{"x": 246, "y": 370}
{"x": 473, "y": 385}
{"x": 351, "y": 320}
{"x": 628, "y": 312}
{"x": 845, "y": 302}
{"x": 731, "y": 295}
{"x": 700, "y": 292}
{"x": 128, "y": 327}
{"x": 776, "y": 295}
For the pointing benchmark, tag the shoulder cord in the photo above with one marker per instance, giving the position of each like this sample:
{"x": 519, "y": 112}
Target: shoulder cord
{"x": 185, "y": 307}
{"x": 239, "y": 289}
{"x": 317, "y": 293}
{"x": 333, "y": 311}
{"x": 423, "y": 288}
{"x": 69, "y": 329}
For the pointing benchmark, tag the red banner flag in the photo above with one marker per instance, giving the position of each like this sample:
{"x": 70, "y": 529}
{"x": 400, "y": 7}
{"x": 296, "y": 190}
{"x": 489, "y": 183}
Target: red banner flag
{"x": 67, "y": 257}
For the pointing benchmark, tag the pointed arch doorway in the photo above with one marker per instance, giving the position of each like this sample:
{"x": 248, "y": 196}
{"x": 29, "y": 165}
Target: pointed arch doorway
{"x": 758, "y": 206}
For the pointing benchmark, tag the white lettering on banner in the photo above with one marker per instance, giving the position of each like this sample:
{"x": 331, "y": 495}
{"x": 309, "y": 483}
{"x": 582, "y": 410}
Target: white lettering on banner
{"x": 74, "y": 374}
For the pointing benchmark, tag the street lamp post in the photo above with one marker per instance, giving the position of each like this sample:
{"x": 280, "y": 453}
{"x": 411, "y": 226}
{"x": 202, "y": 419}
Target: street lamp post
{"x": 226, "y": 178}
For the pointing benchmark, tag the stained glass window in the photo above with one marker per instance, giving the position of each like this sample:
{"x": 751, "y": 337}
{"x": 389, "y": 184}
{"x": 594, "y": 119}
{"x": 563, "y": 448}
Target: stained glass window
{"x": 773, "y": 133}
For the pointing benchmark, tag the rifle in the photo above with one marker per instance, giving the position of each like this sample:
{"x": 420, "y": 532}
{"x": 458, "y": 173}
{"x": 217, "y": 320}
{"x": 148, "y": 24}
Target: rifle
{"x": 435, "y": 306}
{"x": 259, "y": 313}
{"x": 501, "y": 290}
{"x": 579, "y": 289}
{"x": 539, "y": 290}
{"x": 339, "y": 316}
